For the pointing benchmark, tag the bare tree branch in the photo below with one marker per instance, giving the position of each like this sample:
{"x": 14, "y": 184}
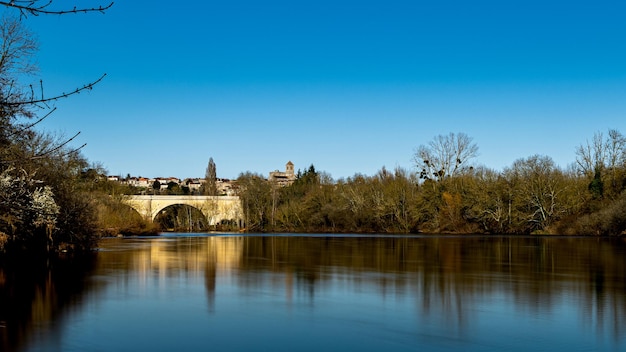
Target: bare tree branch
{"x": 42, "y": 100}
{"x": 37, "y": 7}
{"x": 45, "y": 153}
{"x": 24, "y": 128}
{"x": 55, "y": 148}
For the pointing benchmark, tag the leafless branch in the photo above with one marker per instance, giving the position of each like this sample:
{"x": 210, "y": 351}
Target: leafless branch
{"x": 55, "y": 148}
{"x": 37, "y": 7}
{"x": 47, "y": 152}
{"x": 75, "y": 150}
{"x": 43, "y": 100}
{"x": 24, "y": 128}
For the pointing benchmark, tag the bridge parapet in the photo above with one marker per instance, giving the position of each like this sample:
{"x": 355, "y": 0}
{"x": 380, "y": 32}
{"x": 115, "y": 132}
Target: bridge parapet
{"x": 214, "y": 208}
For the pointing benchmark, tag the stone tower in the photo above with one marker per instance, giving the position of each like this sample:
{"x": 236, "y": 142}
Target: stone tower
{"x": 283, "y": 178}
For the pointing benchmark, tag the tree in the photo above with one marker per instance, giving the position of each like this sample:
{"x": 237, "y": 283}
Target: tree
{"x": 591, "y": 157}
{"x": 45, "y": 200}
{"x": 156, "y": 185}
{"x": 173, "y": 188}
{"x": 487, "y": 196}
{"x": 18, "y": 100}
{"x": 399, "y": 189}
{"x": 307, "y": 178}
{"x": 445, "y": 156}
{"x": 538, "y": 192}
{"x": 62, "y": 176}
{"x": 254, "y": 192}
{"x": 210, "y": 179}
{"x": 603, "y": 161}
{"x": 27, "y": 209}
{"x": 596, "y": 186}
{"x": 16, "y": 57}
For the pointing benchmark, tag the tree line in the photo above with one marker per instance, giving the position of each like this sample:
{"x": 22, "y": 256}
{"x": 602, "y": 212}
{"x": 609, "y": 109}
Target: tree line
{"x": 449, "y": 194}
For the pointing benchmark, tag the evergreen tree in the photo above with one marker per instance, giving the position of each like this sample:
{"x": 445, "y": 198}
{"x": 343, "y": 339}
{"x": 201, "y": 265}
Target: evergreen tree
{"x": 210, "y": 179}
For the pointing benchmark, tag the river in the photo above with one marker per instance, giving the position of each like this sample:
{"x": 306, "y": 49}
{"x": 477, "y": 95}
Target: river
{"x": 199, "y": 292}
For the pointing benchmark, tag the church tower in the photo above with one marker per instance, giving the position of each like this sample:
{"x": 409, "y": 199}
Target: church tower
{"x": 283, "y": 178}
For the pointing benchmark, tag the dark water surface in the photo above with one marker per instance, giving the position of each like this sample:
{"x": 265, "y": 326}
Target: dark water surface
{"x": 322, "y": 293}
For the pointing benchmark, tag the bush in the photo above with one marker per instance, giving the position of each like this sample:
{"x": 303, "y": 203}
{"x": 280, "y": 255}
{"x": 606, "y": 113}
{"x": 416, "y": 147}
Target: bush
{"x": 608, "y": 221}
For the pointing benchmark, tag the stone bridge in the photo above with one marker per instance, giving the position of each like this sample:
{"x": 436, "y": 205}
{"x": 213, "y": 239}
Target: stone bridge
{"x": 214, "y": 208}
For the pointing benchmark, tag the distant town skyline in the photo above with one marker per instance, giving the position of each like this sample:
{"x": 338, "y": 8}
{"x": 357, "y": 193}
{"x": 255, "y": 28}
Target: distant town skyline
{"x": 288, "y": 173}
{"x": 348, "y": 86}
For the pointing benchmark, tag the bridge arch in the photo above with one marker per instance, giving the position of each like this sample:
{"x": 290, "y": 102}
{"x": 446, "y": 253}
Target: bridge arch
{"x": 182, "y": 216}
{"x": 214, "y": 208}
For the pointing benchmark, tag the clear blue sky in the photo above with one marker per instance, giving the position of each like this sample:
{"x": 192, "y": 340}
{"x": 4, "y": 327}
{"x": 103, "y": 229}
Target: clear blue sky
{"x": 349, "y": 86}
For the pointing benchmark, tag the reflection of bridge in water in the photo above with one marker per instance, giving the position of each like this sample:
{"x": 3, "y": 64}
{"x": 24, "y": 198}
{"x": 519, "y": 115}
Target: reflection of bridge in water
{"x": 214, "y": 208}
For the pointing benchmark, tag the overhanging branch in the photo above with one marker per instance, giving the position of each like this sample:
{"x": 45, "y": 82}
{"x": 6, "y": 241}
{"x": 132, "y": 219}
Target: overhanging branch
{"x": 36, "y": 8}
{"x": 43, "y": 100}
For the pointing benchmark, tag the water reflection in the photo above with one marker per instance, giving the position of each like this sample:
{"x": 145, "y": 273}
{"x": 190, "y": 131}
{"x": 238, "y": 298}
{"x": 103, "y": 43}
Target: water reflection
{"x": 36, "y": 296}
{"x": 414, "y": 289}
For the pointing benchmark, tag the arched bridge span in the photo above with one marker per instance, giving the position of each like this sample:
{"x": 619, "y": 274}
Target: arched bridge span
{"x": 214, "y": 208}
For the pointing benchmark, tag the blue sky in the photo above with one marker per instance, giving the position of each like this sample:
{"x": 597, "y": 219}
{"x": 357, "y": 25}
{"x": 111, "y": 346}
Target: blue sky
{"x": 349, "y": 86}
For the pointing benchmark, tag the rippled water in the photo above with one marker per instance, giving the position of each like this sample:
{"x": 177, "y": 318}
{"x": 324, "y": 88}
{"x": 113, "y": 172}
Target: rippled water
{"x": 322, "y": 293}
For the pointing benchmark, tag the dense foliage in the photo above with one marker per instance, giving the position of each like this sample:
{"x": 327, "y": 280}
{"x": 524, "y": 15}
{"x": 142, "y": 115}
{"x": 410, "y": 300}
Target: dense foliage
{"x": 43, "y": 202}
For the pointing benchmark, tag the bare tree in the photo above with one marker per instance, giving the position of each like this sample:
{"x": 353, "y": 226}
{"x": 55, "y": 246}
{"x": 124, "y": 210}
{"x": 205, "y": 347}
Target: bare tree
{"x": 17, "y": 53}
{"x": 602, "y": 160}
{"x": 591, "y": 157}
{"x": 17, "y": 49}
{"x": 254, "y": 192}
{"x": 445, "y": 156}
{"x": 601, "y": 153}
{"x": 16, "y": 60}
{"x": 615, "y": 150}
{"x": 538, "y": 188}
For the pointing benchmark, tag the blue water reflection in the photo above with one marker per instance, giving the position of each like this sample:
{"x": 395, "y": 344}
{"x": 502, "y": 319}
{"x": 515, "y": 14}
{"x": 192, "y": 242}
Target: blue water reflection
{"x": 335, "y": 293}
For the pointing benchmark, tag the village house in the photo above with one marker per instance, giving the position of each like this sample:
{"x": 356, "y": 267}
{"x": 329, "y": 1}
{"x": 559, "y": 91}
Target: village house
{"x": 140, "y": 182}
{"x": 194, "y": 184}
{"x": 225, "y": 187}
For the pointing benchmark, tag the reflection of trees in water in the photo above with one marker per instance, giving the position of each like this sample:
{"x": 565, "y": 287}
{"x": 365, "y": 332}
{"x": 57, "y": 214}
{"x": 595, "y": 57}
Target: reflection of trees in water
{"x": 162, "y": 258}
{"x": 445, "y": 275}
{"x": 448, "y": 278}
{"x": 36, "y": 293}
{"x": 450, "y": 275}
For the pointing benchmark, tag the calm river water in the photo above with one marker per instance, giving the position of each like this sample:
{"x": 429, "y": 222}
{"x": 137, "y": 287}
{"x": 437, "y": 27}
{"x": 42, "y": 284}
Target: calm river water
{"x": 181, "y": 292}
